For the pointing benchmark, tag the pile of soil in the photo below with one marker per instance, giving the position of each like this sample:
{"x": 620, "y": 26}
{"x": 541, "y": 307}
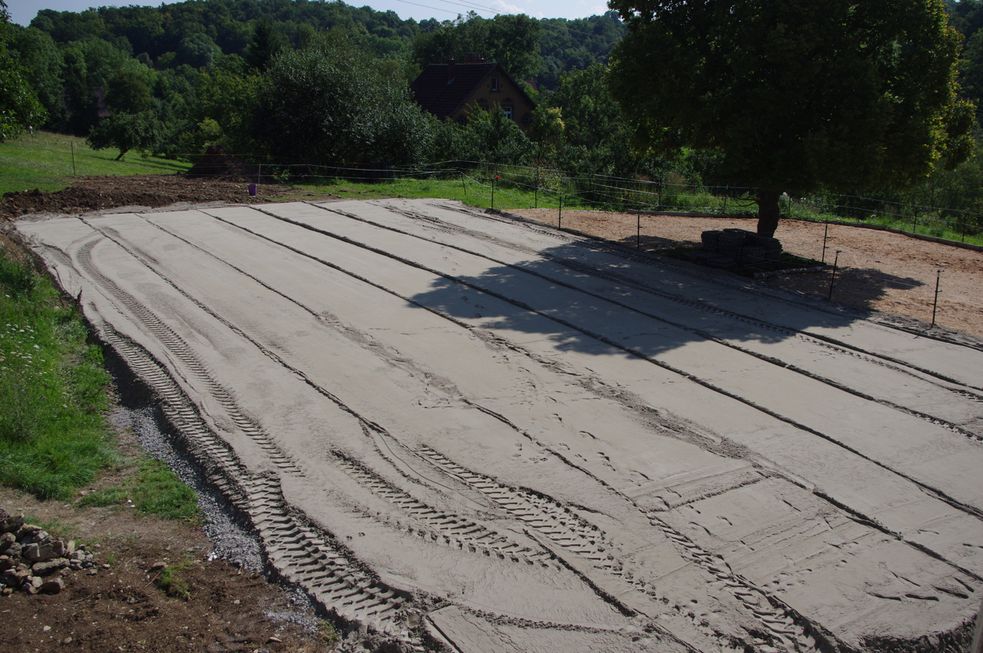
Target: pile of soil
{"x": 98, "y": 193}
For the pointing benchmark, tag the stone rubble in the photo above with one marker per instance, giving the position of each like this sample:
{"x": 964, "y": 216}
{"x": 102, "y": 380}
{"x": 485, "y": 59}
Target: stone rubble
{"x": 33, "y": 562}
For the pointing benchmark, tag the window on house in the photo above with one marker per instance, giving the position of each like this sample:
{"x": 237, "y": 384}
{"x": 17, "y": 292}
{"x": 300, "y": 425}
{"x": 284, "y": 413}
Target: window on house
{"x": 507, "y": 110}
{"x": 494, "y": 83}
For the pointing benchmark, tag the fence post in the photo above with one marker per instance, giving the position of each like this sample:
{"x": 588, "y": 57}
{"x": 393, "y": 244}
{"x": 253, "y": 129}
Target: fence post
{"x": 825, "y": 237}
{"x": 535, "y": 202}
{"x": 464, "y": 184}
{"x": 935, "y": 303}
{"x": 494, "y": 177}
{"x": 559, "y": 215}
{"x": 836, "y": 260}
{"x": 74, "y": 172}
{"x": 259, "y": 174}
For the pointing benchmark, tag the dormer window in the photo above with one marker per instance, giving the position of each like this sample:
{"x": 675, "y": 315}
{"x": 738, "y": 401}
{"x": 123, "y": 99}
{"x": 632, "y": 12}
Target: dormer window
{"x": 495, "y": 83}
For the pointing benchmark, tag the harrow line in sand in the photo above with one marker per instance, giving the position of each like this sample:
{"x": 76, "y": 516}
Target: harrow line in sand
{"x": 516, "y": 477}
{"x": 939, "y": 494}
{"x": 853, "y": 514}
{"x": 774, "y": 361}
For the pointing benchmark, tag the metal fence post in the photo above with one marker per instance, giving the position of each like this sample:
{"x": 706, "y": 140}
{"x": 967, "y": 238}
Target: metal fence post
{"x": 638, "y": 230}
{"x": 836, "y": 260}
{"x": 935, "y": 303}
{"x": 493, "y": 191}
{"x": 559, "y": 215}
{"x": 74, "y": 171}
{"x": 464, "y": 184}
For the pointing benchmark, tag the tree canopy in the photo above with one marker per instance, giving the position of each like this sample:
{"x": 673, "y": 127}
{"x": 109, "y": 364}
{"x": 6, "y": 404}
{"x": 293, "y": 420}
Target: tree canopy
{"x": 797, "y": 94}
{"x": 19, "y": 105}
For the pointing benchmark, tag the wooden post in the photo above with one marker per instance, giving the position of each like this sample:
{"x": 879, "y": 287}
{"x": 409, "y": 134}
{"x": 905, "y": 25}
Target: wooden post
{"x": 832, "y": 278}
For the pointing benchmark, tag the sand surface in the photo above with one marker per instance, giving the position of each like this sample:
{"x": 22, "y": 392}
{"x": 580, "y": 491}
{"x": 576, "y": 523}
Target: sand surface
{"x": 887, "y": 272}
{"x": 452, "y": 427}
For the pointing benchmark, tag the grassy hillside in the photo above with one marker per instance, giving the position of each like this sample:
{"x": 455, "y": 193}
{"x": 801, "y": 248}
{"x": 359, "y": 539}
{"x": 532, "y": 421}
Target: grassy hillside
{"x": 44, "y": 161}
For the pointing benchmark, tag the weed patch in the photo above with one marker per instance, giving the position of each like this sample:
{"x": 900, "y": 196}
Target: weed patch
{"x": 172, "y": 581}
{"x": 154, "y": 489}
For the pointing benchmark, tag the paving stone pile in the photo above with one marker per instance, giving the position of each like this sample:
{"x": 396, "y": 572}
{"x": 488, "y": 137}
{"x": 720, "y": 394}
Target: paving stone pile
{"x": 34, "y": 562}
{"x": 734, "y": 247}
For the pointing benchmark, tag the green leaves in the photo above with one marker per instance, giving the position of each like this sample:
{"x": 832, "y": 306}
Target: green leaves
{"x": 796, "y": 94}
{"x": 331, "y": 103}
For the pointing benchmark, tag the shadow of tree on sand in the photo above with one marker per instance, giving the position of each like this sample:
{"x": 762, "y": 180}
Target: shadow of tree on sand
{"x": 592, "y": 298}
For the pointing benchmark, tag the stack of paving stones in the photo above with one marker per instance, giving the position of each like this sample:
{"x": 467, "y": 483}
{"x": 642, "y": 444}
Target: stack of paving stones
{"x": 32, "y": 561}
{"x": 739, "y": 248}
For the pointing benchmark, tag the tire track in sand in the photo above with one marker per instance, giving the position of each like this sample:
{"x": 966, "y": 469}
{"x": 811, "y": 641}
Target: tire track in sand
{"x": 784, "y": 627}
{"x": 297, "y": 550}
{"x": 925, "y": 487}
{"x": 454, "y": 529}
{"x": 183, "y": 352}
{"x": 490, "y": 339}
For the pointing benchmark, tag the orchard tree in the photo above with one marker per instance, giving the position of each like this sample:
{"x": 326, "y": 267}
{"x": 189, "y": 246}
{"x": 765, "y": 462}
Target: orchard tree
{"x": 127, "y": 131}
{"x": 333, "y": 103}
{"x": 797, "y": 94}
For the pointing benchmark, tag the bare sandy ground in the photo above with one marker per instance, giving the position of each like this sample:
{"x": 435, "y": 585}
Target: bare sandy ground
{"x": 878, "y": 270}
{"x": 462, "y": 430}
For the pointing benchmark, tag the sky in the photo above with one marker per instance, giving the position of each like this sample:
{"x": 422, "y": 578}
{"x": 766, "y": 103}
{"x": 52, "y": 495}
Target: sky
{"x": 22, "y": 11}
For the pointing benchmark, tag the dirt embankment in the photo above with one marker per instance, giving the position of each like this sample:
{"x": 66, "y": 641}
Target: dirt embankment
{"x": 98, "y": 193}
{"x": 879, "y": 271}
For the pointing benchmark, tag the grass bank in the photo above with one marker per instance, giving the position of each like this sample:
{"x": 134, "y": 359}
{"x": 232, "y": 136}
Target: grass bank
{"x": 49, "y": 161}
{"x": 54, "y": 437}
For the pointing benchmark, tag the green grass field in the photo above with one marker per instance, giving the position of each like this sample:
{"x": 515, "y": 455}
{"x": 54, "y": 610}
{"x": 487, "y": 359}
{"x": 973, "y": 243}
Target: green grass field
{"x": 44, "y": 161}
{"x": 468, "y": 190}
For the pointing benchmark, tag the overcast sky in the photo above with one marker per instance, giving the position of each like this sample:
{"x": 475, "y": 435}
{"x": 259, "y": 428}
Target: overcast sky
{"x": 22, "y": 11}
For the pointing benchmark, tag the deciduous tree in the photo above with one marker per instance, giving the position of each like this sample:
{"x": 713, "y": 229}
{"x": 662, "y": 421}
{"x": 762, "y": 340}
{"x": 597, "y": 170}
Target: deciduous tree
{"x": 797, "y": 94}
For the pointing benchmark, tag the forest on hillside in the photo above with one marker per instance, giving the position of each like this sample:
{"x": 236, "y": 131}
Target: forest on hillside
{"x": 295, "y": 81}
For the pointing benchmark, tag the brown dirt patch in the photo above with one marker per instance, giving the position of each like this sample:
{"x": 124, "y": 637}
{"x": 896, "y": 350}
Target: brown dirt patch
{"x": 878, "y": 271}
{"x": 122, "y": 609}
{"x": 98, "y": 193}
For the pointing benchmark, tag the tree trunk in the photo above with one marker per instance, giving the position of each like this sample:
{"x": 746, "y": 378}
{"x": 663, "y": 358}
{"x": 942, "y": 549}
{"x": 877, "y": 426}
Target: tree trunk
{"x": 768, "y": 212}
{"x": 121, "y": 153}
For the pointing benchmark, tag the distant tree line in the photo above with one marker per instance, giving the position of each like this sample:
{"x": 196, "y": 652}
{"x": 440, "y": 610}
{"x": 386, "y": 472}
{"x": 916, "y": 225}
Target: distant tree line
{"x": 324, "y": 82}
